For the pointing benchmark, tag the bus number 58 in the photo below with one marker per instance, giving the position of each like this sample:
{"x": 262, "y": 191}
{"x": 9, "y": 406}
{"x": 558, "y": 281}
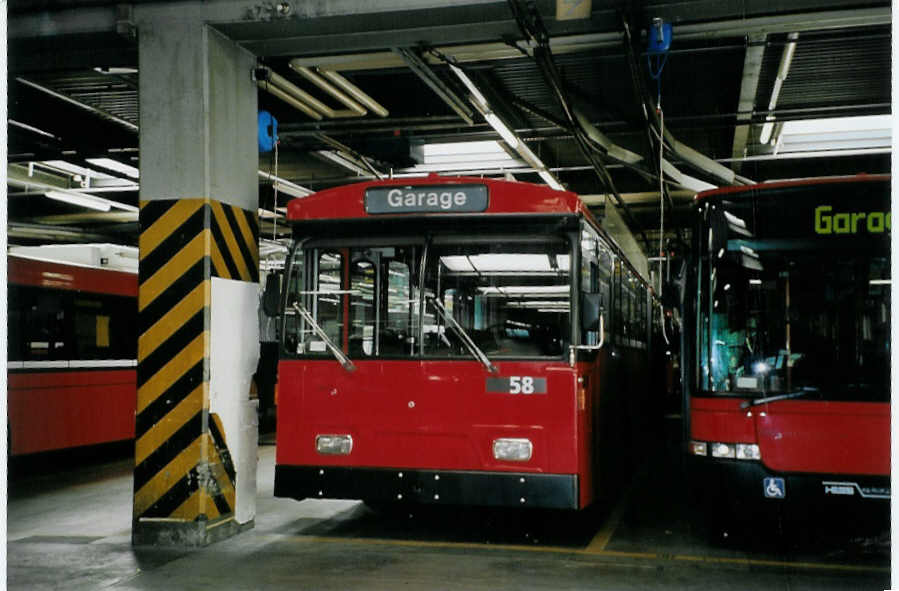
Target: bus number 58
{"x": 521, "y": 385}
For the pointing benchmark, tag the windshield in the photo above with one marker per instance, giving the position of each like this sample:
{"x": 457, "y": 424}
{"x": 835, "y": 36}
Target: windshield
{"x": 510, "y": 296}
{"x": 790, "y": 315}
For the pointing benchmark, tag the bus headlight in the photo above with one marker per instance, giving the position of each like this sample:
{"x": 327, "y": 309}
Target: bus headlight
{"x": 513, "y": 450}
{"x": 723, "y": 450}
{"x": 719, "y": 449}
{"x": 334, "y": 445}
{"x": 748, "y": 451}
{"x": 699, "y": 448}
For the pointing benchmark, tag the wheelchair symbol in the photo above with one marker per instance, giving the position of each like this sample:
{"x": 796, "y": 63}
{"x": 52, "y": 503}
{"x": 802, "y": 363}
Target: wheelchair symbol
{"x": 775, "y": 488}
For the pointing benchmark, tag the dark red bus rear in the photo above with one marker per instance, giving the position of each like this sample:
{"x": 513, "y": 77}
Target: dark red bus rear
{"x": 437, "y": 347}
{"x": 787, "y": 334}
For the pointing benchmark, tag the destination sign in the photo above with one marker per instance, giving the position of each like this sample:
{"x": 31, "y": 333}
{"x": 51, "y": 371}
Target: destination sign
{"x": 426, "y": 199}
{"x": 851, "y": 222}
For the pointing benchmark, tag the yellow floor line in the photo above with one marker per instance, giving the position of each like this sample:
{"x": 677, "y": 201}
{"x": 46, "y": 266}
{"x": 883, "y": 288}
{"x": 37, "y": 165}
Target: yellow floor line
{"x": 585, "y": 552}
{"x": 599, "y": 542}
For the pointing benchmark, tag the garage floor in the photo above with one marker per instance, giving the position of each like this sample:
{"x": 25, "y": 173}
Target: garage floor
{"x": 71, "y": 530}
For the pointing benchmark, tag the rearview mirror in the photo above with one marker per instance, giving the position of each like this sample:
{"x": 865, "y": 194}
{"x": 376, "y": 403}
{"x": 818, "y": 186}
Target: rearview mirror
{"x": 271, "y": 295}
{"x": 591, "y": 309}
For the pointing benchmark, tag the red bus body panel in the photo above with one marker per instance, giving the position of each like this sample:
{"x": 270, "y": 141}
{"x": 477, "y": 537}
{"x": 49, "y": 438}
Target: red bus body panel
{"x": 426, "y": 414}
{"x": 59, "y": 409}
{"x": 721, "y": 419}
{"x": 826, "y": 437}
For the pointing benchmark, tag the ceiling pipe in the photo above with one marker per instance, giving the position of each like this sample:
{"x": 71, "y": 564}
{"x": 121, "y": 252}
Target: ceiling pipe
{"x": 612, "y": 149}
{"x": 340, "y": 88}
{"x": 289, "y": 99}
{"x": 272, "y": 82}
{"x": 356, "y": 93}
{"x": 353, "y": 109}
{"x": 421, "y": 69}
{"x": 285, "y": 85}
{"x": 786, "y": 58}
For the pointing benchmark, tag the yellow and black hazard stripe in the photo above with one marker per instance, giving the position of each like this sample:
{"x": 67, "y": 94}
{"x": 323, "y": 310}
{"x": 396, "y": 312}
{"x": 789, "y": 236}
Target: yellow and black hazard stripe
{"x": 182, "y": 465}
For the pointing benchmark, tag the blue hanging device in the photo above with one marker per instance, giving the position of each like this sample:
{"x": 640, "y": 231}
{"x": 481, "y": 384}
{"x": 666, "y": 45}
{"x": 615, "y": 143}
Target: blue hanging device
{"x": 659, "y": 37}
{"x": 660, "y": 34}
{"x": 268, "y": 131}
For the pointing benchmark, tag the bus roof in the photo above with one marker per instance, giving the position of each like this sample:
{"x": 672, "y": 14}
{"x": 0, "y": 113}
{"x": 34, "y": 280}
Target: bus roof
{"x": 859, "y": 178}
{"x": 432, "y": 195}
{"x": 25, "y": 270}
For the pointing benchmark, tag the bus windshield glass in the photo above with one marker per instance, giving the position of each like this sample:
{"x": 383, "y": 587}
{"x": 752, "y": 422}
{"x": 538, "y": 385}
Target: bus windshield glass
{"x": 510, "y": 296}
{"x": 784, "y": 314}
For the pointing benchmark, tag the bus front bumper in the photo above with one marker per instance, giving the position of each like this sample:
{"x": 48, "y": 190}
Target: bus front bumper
{"x": 751, "y": 485}
{"x": 443, "y": 487}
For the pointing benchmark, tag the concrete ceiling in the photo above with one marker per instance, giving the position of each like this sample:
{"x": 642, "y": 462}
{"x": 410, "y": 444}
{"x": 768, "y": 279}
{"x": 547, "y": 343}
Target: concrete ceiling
{"x": 577, "y": 92}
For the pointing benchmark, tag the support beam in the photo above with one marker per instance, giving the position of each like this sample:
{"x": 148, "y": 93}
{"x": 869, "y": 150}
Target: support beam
{"x": 198, "y": 345}
{"x": 426, "y": 75}
{"x": 752, "y": 69}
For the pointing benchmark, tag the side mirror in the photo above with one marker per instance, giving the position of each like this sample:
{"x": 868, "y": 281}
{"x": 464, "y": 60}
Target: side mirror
{"x": 591, "y": 309}
{"x": 673, "y": 289}
{"x": 271, "y": 296}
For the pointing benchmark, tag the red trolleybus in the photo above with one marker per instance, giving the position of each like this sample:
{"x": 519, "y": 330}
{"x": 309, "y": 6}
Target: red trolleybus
{"x": 787, "y": 341}
{"x": 456, "y": 341}
{"x": 71, "y": 353}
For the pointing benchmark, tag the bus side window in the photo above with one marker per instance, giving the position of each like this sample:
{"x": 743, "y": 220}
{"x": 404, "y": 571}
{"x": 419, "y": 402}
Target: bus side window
{"x": 44, "y": 328}
{"x": 618, "y": 323}
{"x": 604, "y": 278}
{"x": 589, "y": 275}
{"x": 295, "y": 284}
{"x": 102, "y": 327}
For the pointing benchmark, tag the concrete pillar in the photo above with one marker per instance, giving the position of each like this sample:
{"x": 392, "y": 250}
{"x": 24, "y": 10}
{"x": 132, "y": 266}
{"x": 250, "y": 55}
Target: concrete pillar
{"x": 195, "y": 449}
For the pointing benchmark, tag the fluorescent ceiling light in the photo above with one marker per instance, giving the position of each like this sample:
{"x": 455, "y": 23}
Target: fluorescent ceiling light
{"x": 500, "y": 127}
{"x": 550, "y": 180}
{"x": 344, "y": 161}
{"x": 519, "y": 290}
{"x": 265, "y": 214}
{"x": 513, "y": 263}
{"x": 560, "y": 304}
{"x": 455, "y": 156}
{"x": 438, "y": 152}
{"x": 285, "y": 186}
{"x": 694, "y": 184}
{"x": 837, "y": 133}
{"x": 73, "y": 169}
{"x": 291, "y": 189}
{"x": 115, "y": 70}
{"x": 117, "y": 166}
{"x": 30, "y": 128}
{"x": 475, "y": 93}
{"x": 88, "y": 201}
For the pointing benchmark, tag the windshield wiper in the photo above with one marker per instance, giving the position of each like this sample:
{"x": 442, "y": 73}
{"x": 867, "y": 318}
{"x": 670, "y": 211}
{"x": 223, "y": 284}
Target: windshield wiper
{"x": 797, "y": 394}
{"x": 338, "y": 354}
{"x": 463, "y": 336}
